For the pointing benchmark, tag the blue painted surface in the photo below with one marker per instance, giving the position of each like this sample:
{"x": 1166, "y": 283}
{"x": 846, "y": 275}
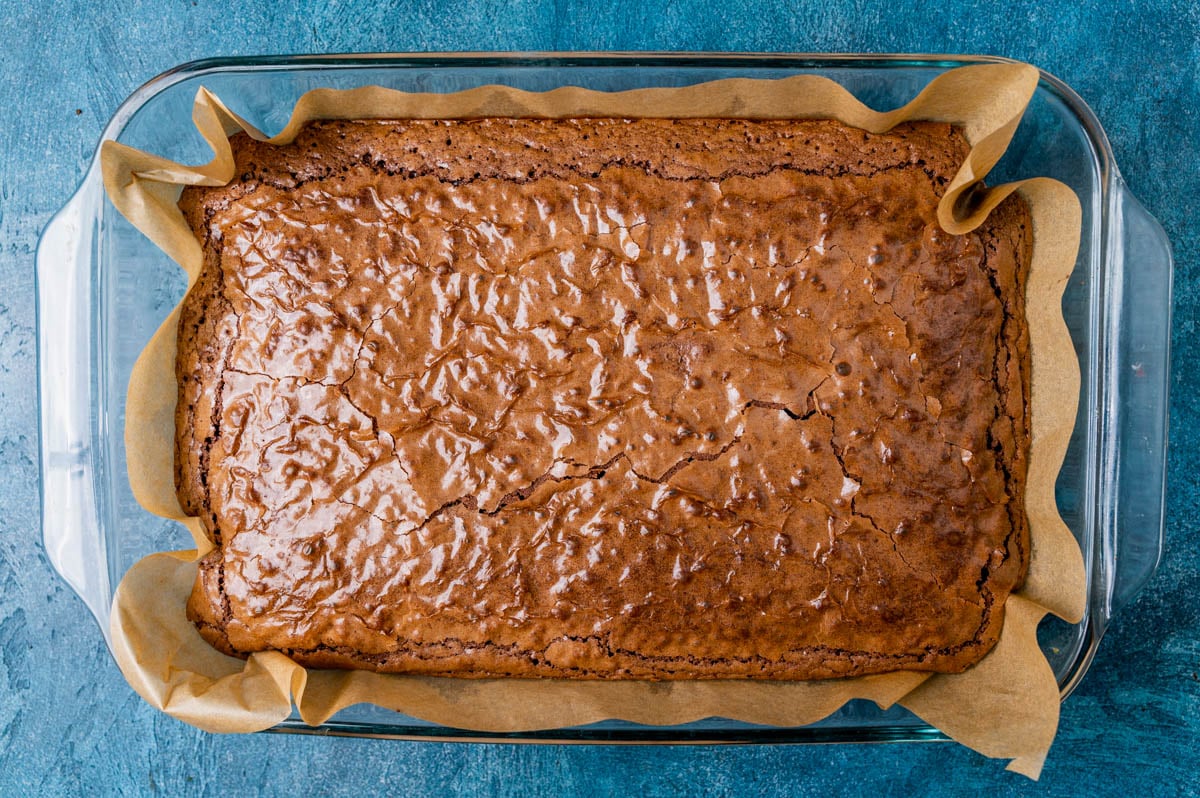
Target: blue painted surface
{"x": 70, "y": 725}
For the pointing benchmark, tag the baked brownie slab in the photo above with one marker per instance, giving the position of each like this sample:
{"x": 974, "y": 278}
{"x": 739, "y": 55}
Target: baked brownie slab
{"x": 604, "y": 398}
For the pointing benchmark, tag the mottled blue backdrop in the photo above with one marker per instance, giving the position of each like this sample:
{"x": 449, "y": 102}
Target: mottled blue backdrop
{"x": 70, "y": 725}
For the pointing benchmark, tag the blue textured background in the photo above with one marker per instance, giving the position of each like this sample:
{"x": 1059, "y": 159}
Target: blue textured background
{"x": 70, "y": 725}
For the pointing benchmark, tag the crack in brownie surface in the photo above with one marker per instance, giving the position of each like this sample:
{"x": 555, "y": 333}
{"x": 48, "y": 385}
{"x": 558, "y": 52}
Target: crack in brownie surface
{"x": 605, "y": 399}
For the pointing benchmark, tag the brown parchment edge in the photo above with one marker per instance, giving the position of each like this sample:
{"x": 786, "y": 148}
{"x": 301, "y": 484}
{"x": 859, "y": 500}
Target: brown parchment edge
{"x": 1006, "y": 706}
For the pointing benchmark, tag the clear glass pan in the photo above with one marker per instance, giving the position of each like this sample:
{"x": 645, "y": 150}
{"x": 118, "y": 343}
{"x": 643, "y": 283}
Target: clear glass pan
{"x": 102, "y": 290}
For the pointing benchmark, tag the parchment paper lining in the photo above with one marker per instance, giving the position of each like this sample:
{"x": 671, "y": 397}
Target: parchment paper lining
{"x": 1006, "y": 706}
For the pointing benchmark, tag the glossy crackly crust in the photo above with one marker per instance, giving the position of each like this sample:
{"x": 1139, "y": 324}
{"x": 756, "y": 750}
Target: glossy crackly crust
{"x": 604, "y": 399}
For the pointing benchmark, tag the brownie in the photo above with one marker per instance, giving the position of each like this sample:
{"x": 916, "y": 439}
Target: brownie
{"x": 604, "y": 398}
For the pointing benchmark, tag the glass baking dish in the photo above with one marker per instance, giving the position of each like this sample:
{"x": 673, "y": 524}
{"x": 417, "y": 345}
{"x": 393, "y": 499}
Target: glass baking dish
{"x": 102, "y": 290}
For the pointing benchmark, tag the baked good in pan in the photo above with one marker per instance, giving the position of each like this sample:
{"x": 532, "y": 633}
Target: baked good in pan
{"x": 604, "y": 398}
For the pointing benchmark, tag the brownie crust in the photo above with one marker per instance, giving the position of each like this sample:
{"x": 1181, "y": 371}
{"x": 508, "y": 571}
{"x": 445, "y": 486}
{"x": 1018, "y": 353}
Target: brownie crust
{"x": 597, "y": 398}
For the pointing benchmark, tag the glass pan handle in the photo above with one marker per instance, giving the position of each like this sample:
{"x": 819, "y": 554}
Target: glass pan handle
{"x": 1142, "y": 338}
{"x": 71, "y": 531}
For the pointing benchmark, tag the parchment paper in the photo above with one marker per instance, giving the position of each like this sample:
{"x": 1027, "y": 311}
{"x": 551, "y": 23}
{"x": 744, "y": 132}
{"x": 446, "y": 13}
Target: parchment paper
{"x": 1006, "y": 706}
